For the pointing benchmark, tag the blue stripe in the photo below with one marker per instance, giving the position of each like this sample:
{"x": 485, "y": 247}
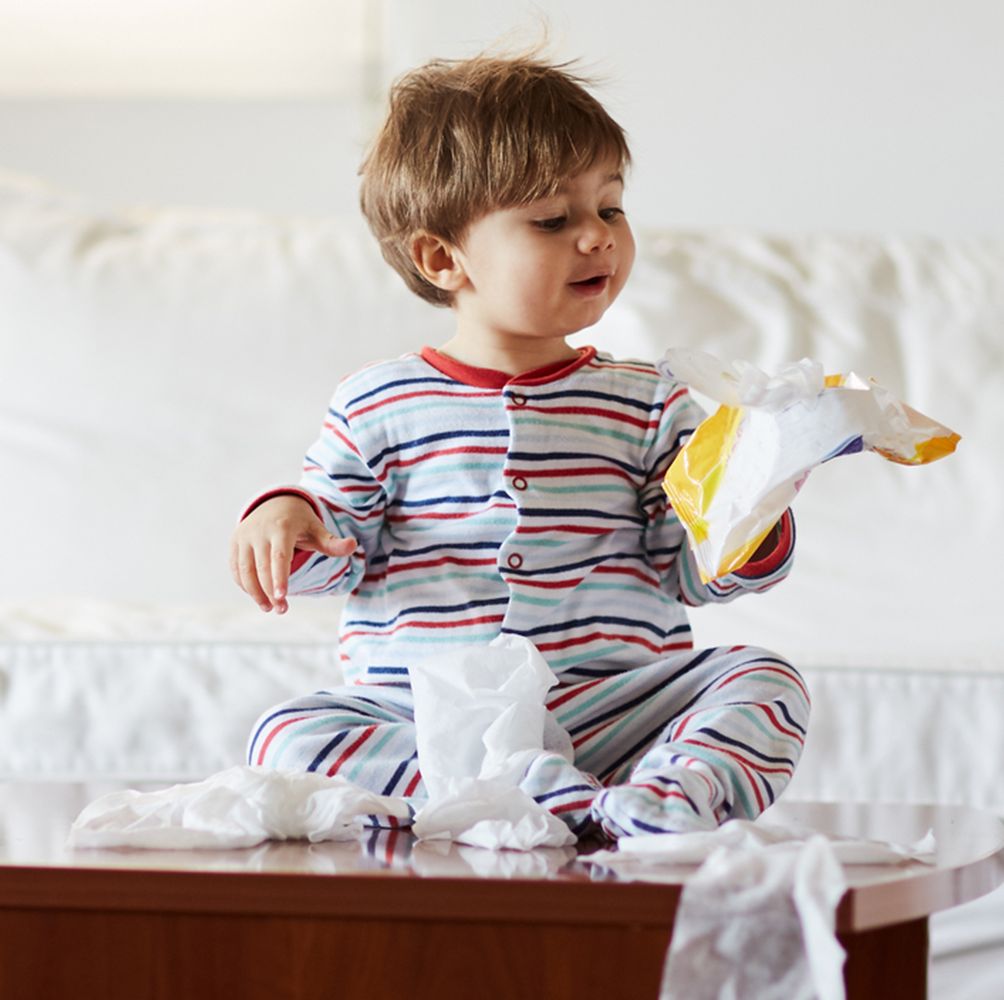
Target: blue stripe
{"x": 431, "y": 501}
{"x": 429, "y": 609}
{"x": 338, "y": 737}
{"x": 606, "y": 620}
{"x": 576, "y": 456}
{"x": 432, "y": 438}
{"x": 592, "y": 394}
{"x": 580, "y": 512}
{"x": 429, "y": 380}
{"x": 752, "y": 751}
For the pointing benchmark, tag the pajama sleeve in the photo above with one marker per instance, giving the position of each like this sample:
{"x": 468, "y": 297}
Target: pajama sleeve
{"x": 338, "y": 482}
{"x": 665, "y": 538}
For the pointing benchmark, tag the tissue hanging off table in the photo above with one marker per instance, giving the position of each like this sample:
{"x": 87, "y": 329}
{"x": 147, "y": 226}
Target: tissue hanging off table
{"x": 742, "y": 467}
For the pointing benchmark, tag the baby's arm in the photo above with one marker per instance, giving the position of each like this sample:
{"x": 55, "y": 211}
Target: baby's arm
{"x": 263, "y": 544}
{"x": 666, "y": 539}
{"x": 317, "y": 537}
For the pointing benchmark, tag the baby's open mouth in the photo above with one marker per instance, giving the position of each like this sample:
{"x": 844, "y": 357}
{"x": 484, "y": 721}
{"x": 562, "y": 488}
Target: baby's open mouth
{"x": 596, "y": 282}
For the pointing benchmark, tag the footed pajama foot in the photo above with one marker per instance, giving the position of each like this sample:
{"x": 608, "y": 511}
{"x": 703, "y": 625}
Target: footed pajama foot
{"x": 676, "y": 800}
{"x": 563, "y": 790}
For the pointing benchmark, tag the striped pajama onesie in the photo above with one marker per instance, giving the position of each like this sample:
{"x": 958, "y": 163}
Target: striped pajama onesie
{"x": 485, "y": 503}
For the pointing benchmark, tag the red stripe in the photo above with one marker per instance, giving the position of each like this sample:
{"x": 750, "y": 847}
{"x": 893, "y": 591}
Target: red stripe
{"x": 593, "y": 636}
{"x": 426, "y": 624}
{"x": 572, "y": 692}
{"x": 777, "y": 725}
{"x": 574, "y": 529}
{"x": 569, "y": 806}
{"x": 453, "y": 516}
{"x": 444, "y": 560}
{"x": 593, "y": 411}
{"x": 423, "y": 393}
{"x": 589, "y": 470}
{"x": 575, "y": 581}
{"x": 663, "y": 793}
{"x": 614, "y": 366}
{"x": 413, "y": 784}
{"x": 351, "y": 511}
{"x": 627, "y": 571}
{"x": 586, "y": 737}
{"x": 272, "y": 734}
{"x": 341, "y": 437}
{"x": 546, "y": 584}
{"x": 763, "y": 668}
{"x": 395, "y": 463}
{"x": 366, "y": 734}
{"x": 392, "y": 839}
{"x": 738, "y": 758}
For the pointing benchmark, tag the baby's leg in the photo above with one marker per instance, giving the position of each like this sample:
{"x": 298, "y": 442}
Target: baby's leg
{"x": 689, "y": 741}
{"x": 558, "y": 785}
{"x": 365, "y": 733}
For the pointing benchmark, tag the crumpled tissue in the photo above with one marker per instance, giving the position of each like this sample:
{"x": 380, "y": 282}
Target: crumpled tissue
{"x": 480, "y": 720}
{"x": 473, "y": 755}
{"x": 758, "y": 917}
{"x": 743, "y": 465}
{"x": 239, "y": 807}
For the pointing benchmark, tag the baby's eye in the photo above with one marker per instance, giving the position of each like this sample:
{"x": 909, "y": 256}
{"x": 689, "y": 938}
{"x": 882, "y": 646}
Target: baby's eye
{"x": 609, "y": 214}
{"x": 550, "y": 225}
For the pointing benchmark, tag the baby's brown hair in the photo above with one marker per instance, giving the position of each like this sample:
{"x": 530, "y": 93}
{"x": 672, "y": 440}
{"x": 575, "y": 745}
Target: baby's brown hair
{"x": 463, "y": 138}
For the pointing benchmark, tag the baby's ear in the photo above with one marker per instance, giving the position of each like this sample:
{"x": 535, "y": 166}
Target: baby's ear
{"x": 437, "y": 261}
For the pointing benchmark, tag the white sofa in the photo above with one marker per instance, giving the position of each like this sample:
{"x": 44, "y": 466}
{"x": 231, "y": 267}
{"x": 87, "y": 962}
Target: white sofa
{"x": 159, "y": 366}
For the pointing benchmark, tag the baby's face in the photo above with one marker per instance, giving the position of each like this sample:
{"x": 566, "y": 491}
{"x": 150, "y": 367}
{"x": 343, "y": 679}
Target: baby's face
{"x": 552, "y": 267}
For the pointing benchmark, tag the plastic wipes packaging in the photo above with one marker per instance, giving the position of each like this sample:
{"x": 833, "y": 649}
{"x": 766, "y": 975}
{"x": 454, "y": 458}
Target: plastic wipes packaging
{"x": 743, "y": 465}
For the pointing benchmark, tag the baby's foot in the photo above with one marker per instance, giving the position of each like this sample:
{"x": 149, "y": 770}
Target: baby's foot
{"x": 563, "y": 790}
{"x": 676, "y": 801}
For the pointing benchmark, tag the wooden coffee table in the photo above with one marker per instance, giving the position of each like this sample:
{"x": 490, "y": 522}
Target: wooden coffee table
{"x": 389, "y": 917}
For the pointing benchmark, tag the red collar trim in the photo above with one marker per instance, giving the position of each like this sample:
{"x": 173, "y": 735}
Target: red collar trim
{"x": 490, "y": 378}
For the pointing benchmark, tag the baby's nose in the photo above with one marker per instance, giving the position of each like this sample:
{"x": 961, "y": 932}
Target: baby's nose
{"x": 596, "y": 236}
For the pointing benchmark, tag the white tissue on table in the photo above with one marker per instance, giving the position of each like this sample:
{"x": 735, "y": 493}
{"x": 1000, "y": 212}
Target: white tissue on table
{"x": 759, "y": 924}
{"x": 740, "y": 834}
{"x": 473, "y": 755}
{"x": 757, "y": 881}
{"x": 239, "y": 807}
{"x": 480, "y": 720}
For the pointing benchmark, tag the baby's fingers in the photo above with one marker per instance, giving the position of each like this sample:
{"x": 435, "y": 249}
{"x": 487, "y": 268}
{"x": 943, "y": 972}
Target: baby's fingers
{"x": 250, "y": 584}
{"x": 281, "y": 558}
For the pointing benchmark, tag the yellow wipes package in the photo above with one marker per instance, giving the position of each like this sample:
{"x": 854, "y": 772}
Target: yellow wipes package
{"x": 743, "y": 465}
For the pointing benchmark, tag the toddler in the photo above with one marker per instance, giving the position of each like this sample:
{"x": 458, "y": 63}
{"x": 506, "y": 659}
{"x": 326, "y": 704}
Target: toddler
{"x": 506, "y": 482}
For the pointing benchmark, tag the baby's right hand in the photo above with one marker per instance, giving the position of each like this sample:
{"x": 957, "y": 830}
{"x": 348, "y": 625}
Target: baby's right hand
{"x": 261, "y": 548}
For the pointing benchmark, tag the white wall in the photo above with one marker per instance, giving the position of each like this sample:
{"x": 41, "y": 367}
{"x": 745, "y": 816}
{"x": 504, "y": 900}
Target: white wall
{"x": 781, "y": 115}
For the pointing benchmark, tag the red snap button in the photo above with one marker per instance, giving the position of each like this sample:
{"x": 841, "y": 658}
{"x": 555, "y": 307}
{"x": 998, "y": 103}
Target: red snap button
{"x": 519, "y": 483}
{"x": 515, "y": 560}
{"x": 519, "y": 400}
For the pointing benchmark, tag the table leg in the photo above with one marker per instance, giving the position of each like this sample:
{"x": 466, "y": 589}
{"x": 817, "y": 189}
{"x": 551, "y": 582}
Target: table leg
{"x": 887, "y": 962}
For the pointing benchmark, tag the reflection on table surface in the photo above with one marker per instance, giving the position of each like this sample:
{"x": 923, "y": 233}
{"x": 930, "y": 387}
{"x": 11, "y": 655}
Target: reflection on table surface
{"x": 35, "y": 818}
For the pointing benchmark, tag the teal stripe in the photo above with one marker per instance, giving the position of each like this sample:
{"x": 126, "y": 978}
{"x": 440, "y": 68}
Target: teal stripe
{"x": 591, "y": 654}
{"x": 633, "y": 439}
{"x": 582, "y": 489}
{"x": 393, "y": 640}
{"x": 373, "y": 751}
{"x": 550, "y": 602}
{"x": 421, "y": 580}
{"x": 603, "y": 691}
{"x": 625, "y": 720}
{"x": 720, "y": 762}
{"x": 453, "y": 404}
